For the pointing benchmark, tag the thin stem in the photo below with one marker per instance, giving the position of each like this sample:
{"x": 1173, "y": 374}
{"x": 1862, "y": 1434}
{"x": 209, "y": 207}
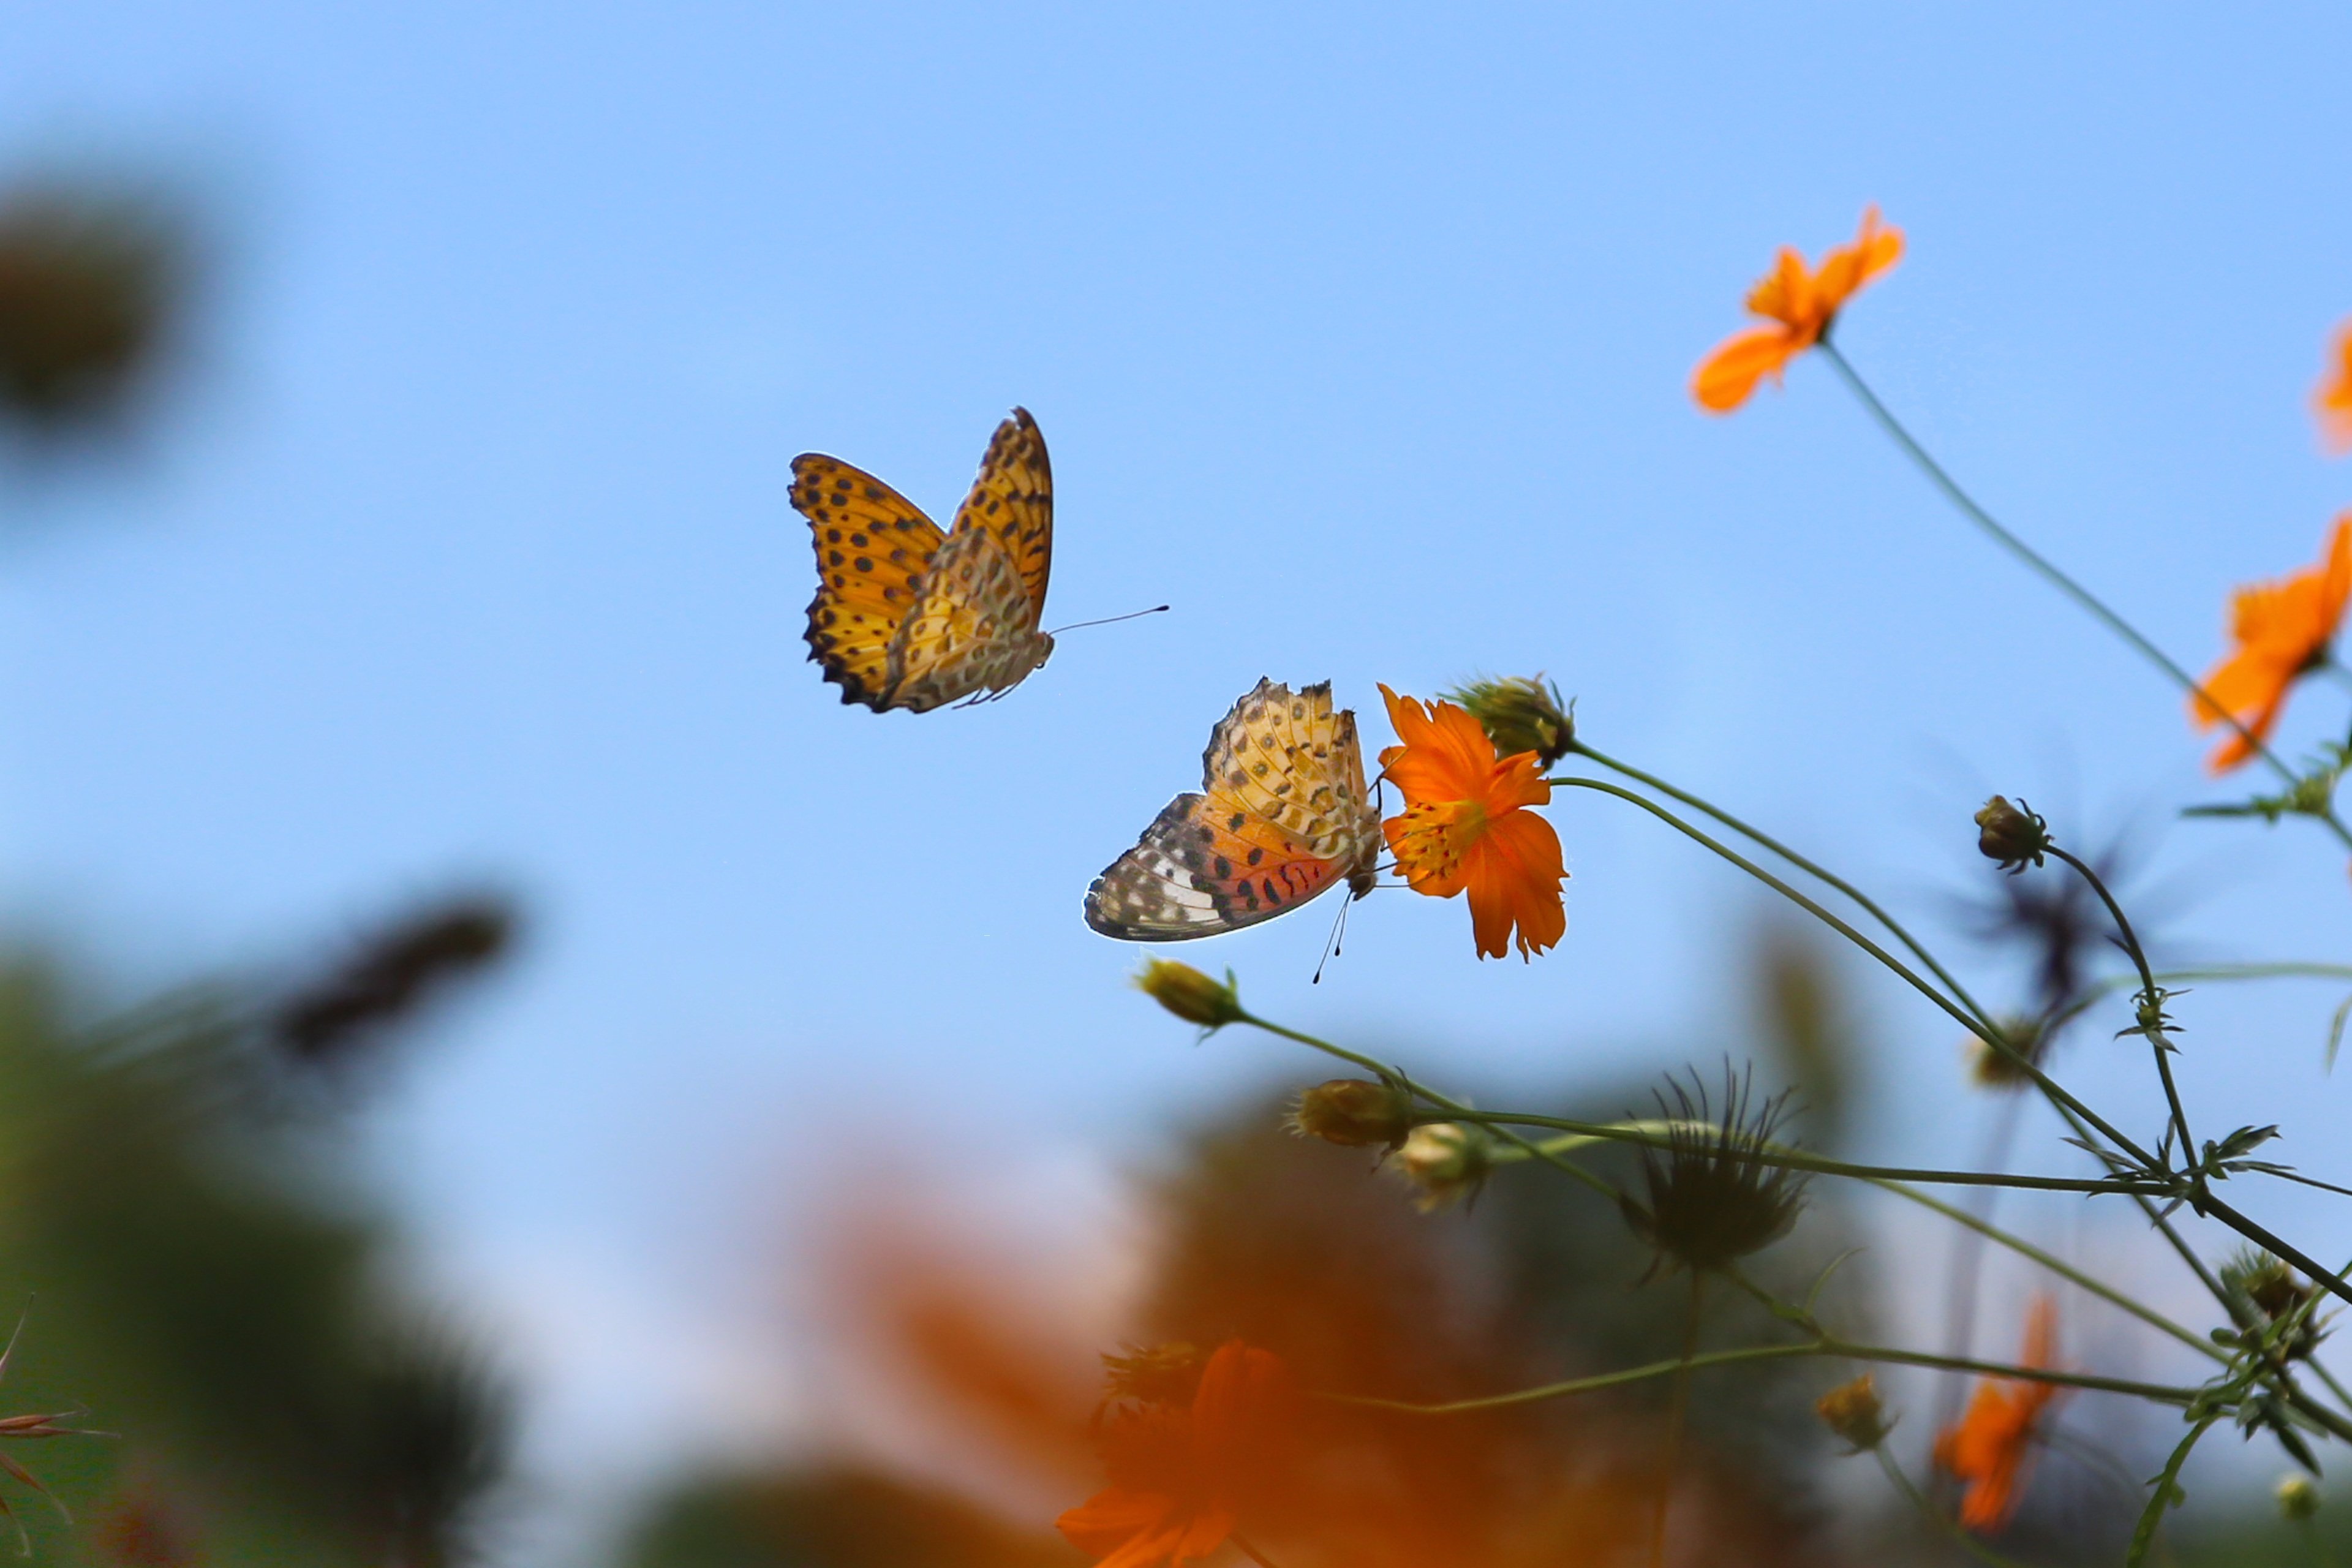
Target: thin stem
{"x": 1658, "y": 1134}
{"x": 2150, "y": 1015}
{"x": 1677, "y": 1410}
{"x": 2050, "y": 573}
{"x": 1252, "y": 1553}
{"x": 1991, "y": 1037}
{"x": 1823, "y": 1345}
{"x": 1696, "y": 803}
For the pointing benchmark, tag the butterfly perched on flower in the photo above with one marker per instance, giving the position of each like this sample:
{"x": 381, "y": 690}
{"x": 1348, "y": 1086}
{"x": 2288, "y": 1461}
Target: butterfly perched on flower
{"x": 907, "y": 616}
{"x": 1282, "y": 814}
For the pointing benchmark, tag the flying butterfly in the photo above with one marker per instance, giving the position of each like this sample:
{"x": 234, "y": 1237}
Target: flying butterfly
{"x": 1282, "y": 814}
{"x": 907, "y": 616}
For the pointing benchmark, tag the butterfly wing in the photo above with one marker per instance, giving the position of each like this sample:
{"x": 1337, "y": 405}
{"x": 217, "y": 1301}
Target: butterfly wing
{"x": 1013, "y": 498}
{"x": 1282, "y": 818}
{"x": 972, "y": 630}
{"x": 874, "y": 547}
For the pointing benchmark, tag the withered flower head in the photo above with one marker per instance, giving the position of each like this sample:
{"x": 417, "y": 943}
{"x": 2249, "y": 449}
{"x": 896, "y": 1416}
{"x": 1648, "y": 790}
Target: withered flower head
{"x": 1446, "y": 1160}
{"x": 87, "y": 285}
{"x": 1354, "y": 1112}
{"x": 2012, "y": 834}
{"x": 1191, "y": 995}
{"x": 32, "y": 1425}
{"x": 1711, "y": 1200}
{"x": 1852, "y": 1411}
{"x": 1521, "y": 714}
{"x": 1993, "y": 1069}
{"x": 2268, "y": 1290}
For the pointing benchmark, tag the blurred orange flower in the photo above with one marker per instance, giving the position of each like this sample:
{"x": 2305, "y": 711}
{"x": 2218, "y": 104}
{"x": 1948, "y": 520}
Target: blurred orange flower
{"x": 2282, "y": 630}
{"x": 1800, "y": 304}
{"x": 1180, "y": 1476}
{"x": 2333, "y": 401}
{"x": 1464, "y": 825}
{"x": 1988, "y": 1447}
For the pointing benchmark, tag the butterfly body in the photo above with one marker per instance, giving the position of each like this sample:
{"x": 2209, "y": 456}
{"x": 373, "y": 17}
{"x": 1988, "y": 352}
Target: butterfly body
{"x": 1281, "y": 816}
{"x": 907, "y": 616}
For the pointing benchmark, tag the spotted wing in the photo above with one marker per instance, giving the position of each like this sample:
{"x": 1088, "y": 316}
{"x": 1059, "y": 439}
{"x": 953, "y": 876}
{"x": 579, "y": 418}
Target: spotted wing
{"x": 1282, "y": 817}
{"x": 1288, "y": 758}
{"x": 873, "y": 546}
{"x": 973, "y": 629}
{"x": 1206, "y": 865}
{"x": 1013, "y": 498}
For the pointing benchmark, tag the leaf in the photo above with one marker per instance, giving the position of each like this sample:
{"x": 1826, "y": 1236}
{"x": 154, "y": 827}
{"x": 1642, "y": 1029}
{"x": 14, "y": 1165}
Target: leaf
{"x": 2167, "y": 1494}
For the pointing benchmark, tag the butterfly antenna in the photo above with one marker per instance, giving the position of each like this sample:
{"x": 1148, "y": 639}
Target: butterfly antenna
{"x": 1332, "y": 947}
{"x": 1106, "y": 620}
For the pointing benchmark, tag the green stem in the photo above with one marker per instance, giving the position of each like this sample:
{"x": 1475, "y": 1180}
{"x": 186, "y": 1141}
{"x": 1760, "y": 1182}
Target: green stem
{"x": 2150, "y": 995}
{"x": 1991, "y": 1037}
{"x": 1658, "y": 1135}
{"x": 1824, "y": 1346}
{"x": 2161, "y": 1493}
{"x": 1678, "y": 1409}
{"x": 2049, "y": 571}
{"x": 1696, "y": 803}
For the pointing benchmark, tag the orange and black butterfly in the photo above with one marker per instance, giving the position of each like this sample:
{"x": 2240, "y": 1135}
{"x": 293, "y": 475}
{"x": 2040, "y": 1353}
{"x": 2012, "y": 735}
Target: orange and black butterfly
{"x": 907, "y": 616}
{"x": 1281, "y": 816}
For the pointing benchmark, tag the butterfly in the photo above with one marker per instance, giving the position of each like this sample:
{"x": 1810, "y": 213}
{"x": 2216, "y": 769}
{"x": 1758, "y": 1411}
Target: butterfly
{"x": 906, "y": 616}
{"x": 1281, "y": 816}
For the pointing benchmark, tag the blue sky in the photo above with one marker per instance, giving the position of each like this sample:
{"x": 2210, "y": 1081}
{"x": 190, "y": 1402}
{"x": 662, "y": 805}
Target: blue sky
{"x": 1360, "y": 334}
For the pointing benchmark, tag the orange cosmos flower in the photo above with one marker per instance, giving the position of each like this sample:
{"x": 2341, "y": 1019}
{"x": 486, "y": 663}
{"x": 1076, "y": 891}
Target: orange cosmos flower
{"x": 1464, "y": 825}
{"x": 1987, "y": 1447}
{"x": 1178, "y": 1474}
{"x": 2333, "y": 401}
{"x": 2282, "y": 630}
{"x": 1800, "y": 305}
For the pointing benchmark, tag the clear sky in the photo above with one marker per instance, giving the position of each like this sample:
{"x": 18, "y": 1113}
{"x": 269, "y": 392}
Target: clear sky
{"x": 1358, "y": 333}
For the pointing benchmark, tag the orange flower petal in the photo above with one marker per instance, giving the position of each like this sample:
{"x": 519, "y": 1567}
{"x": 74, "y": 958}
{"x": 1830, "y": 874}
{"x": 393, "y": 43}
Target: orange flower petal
{"x": 1514, "y": 874}
{"x": 2280, "y": 628}
{"x": 2333, "y": 401}
{"x": 1728, "y": 377}
{"x": 1108, "y": 1521}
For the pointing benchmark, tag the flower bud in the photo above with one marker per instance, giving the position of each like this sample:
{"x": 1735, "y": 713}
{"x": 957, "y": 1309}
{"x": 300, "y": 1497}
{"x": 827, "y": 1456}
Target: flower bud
{"x": 1191, "y": 995}
{"x": 2298, "y": 1498}
{"x": 1994, "y": 1069}
{"x": 1521, "y": 715}
{"x": 1851, "y": 1410}
{"x": 2012, "y": 834}
{"x": 1445, "y": 1161}
{"x": 1355, "y": 1112}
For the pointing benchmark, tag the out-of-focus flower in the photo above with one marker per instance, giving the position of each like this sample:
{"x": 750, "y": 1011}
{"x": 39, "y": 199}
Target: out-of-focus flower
{"x": 1800, "y": 304}
{"x": 2298, "y": 1496}
{"x": 2333, "y": 401}
{"x": 1354, "y": 1112}
{"x": 1446, "y": 1160}
{"x": 2016, "y": 836}
{"x": 87, "y": 287}
{"x": 1852, "y": 1411}
{"x": 1521, "y": 714}
{"x": 1181, "y": 1476}
{"x": 1711, "y": 1200}
{"x": 2282, "y": 631}
{"x": 1465, "y": 826}
{"x": 1994, "y": 1069}
{"x": 1987, "y": 1448}
{"x": 1191, "y": 995}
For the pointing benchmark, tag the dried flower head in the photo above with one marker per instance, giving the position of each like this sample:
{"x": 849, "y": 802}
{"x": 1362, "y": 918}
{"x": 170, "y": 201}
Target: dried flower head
{"x": 2267, "y": 1291}
{"x": 1355, "y": 1112}
{"x": 1711, "y": 1200}
{"x": 1520, "y": 714}
{"x": 1852, "y": 1411}
{"x": 2012, "y": 834}
{"x": 1446, "y": 1160}
{"x": 1191, "y": 995}
{"x": 86, "y": 286}
{"x": 1993, "y": 1068}
{"x": 2298, "y": 1496}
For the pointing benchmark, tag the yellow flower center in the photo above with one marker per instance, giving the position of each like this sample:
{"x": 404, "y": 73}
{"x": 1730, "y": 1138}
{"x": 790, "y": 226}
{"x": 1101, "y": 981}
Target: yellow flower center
{"x": 1437, "y": 834}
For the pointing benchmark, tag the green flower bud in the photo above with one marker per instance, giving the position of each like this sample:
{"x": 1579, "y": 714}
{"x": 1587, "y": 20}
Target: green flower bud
{"x": 1851, "y": 1410}
{"x": 1446, "y": 1161}
{"x": 2298, "y": 1498}
{"x": 1191, "y": 995}
{"x": 1521, "y": 715}
{"x": 1354, "y": 1112}
{"x": 2012, "y": 834}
